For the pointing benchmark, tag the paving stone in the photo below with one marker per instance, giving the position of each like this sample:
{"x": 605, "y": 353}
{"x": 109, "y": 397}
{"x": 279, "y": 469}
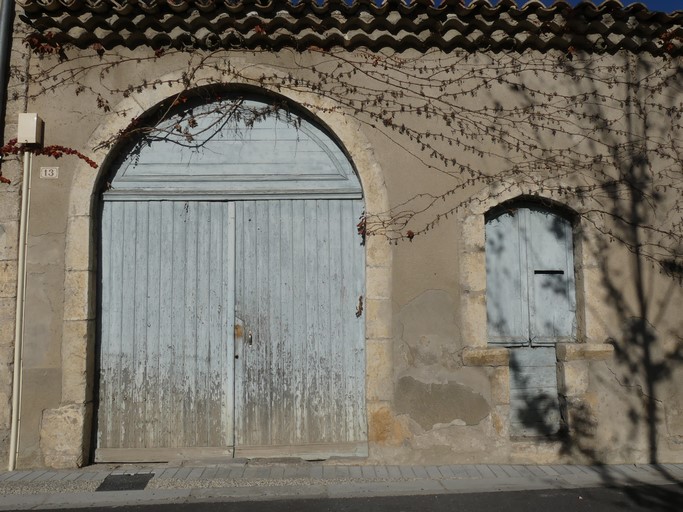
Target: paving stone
{"x": 237, "y": 472}
{"x": 485, "y": 471}
{"x": 420, "y": 472}
{"x": 183, "y": 473}
{"x": 222, "y": 472}
{"x": 277, "y": 472}
{"x": 394, "y": 472}
{"x": 209, "y": 473}
{"x": 433, "y": 472}
{"x": 510, "y": 471}
{"x": 537, "y": 471}
{"x": 471, "y": 471}
{"x": 317, "y": 471}
{"x": 458, "y": 471}
{"x": 561, "y": 470}
{"x": 575, "y": 470}
{"x": 263, "y": 473}
{"x": 549, "y": 471}
{"x": 382, "y": 472}
{"x": 446, "y": 471}
{"x": 17, "y": 475}
{"x": 407, "y": 471}
{"x": 328, "y": 472}
{"x": 46, "y": 476}
{"x": 166, "y": 474}
{"x": 341, "y": 472}
{"x": 368, "y": 471}
{"x": 195, "y": 474}
{"x": 355, "y": 472}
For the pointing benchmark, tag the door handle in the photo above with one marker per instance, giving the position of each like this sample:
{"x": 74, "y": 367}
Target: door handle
{"x": 250, "y": 338}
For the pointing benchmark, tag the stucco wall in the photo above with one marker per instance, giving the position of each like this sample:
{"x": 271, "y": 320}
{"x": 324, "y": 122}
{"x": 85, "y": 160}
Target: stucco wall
{"x": 435, "y": 391}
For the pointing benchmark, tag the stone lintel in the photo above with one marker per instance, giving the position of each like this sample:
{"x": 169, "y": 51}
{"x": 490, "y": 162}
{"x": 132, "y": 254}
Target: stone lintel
{"x": 584, "y": 351}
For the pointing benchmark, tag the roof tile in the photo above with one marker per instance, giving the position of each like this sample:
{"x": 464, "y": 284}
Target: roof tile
{"x": 374, "y": 24}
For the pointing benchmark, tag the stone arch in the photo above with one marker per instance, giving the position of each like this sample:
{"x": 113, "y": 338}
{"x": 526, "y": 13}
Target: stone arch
{"x": 79, "y": 319}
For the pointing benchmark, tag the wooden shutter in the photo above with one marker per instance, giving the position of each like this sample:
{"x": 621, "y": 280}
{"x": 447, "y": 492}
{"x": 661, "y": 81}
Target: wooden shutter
{"x": 530, "y": 296}
{"x": 506, "y": 283}
{"x": 550, "y": 267}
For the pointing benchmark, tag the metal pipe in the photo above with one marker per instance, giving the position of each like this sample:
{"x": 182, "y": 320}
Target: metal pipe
{"x": 6, "y": 19}
{"x": 19, "y": 319}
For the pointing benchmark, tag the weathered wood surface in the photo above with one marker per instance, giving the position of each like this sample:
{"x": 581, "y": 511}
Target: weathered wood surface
{"x": 166, "y": 355}
{"x": 534, "y": 404}
{"x": 530, "y": 295}
{"x": 301, "y": 381}
{"x": 280, "y": 155}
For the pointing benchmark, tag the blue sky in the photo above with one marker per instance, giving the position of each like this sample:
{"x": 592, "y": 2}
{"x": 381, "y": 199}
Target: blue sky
{"x": 655, "y": 5}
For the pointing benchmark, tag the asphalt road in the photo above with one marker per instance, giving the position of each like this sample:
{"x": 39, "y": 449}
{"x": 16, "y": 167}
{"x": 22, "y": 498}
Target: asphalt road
{"x": 667, "y": 498}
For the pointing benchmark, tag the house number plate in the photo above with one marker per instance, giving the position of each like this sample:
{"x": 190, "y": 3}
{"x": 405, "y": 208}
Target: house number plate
{"x": 50, "y": 173}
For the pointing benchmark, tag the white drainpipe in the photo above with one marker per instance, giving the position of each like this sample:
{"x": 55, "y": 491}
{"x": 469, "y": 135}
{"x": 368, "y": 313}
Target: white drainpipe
{"x": 30, "y": 132}
{"x": 19, "y": 319}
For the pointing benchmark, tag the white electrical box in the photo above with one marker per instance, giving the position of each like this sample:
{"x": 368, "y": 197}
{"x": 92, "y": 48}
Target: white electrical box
{"x": 30, "y": 129}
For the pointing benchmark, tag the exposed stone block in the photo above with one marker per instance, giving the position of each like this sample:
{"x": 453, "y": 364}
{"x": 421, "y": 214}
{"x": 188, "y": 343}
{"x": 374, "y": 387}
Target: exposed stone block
{"x": 9, "y": 204}
{"x": 473, "y": 233}
{"x": 500, "y": 385}
{"x": 384, "y": 426}
{"x": 8, "y": 279}
{"x": 7, "y": 317}
{"x": 377, "y": 252}
{"x": 9, "y": 240}
{"x": 79, "y": 244}
{"x": 76, "y": 360}
{"x": 491, "y": 356}
{"x": 62, "y": 439}
{"x": 572, "y": 378}
{"x": 378, "y": 318}
{"x": 77, "y": 300}
{"x": 473, "y": 271}
{"x": 378, "y": 282}
{"x": 473, "y": 319}
{"x": 379, "y": 380}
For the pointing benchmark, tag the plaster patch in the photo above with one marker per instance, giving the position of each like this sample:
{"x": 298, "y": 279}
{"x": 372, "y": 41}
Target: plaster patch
{"x": 431, "y": 405}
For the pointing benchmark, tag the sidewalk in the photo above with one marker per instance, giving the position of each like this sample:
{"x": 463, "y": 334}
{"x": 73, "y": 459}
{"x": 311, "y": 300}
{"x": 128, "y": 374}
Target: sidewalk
{"x": 267, "y": 480}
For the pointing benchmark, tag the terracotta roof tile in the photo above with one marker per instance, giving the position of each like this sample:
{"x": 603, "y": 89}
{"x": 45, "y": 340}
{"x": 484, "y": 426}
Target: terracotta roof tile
{"x": 374, "y": 24}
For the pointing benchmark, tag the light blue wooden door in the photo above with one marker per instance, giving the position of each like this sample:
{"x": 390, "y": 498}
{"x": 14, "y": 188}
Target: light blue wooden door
{"x": 194, "y": 361}
{"x": 300, "y": 374}
{"x": 166, "y": 330}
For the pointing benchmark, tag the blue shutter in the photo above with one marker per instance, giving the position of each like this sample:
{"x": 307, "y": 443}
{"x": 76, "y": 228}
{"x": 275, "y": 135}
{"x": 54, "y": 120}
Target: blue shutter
{"x": 506, "y": 280}
{"x": 550, "y": 267}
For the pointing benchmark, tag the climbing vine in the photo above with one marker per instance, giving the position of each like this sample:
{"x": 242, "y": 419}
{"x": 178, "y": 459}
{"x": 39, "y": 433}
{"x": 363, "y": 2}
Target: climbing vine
{"x": 596, "y": 130}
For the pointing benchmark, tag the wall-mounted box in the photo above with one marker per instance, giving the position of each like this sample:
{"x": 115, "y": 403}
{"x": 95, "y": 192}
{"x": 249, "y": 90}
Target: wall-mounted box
{"x": 30, "y": 129}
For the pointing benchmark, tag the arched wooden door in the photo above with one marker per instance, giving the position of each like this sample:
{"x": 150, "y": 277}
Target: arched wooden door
{"x": 229, "y": 282}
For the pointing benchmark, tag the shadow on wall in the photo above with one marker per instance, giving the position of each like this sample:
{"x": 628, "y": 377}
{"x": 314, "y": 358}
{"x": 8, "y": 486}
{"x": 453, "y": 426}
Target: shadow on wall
{"x": 638, "y": 243}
